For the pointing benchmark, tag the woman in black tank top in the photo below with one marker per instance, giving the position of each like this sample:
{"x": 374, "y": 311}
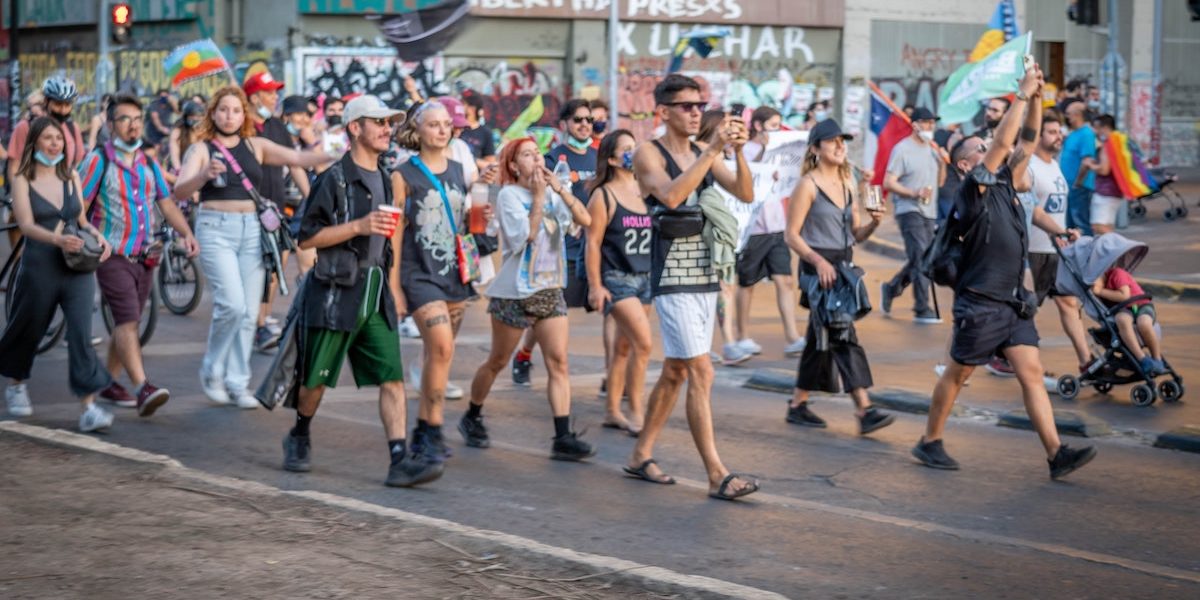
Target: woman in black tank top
{"x": 618, "y": 263}
{"x": 228, "y": 232}
{"x": 46, "y": 197}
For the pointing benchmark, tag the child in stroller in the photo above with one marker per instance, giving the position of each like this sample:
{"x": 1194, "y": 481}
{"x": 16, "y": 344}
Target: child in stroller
{"x": 1098, "y": 272}
{"x": 1135, "y": 319}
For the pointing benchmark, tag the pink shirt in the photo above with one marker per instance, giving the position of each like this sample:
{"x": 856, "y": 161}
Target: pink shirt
{"x": 75, "y": 150}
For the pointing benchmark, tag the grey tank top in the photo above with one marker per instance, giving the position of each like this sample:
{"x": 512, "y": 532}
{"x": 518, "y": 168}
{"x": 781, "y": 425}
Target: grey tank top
{"x": 828, "y": 227}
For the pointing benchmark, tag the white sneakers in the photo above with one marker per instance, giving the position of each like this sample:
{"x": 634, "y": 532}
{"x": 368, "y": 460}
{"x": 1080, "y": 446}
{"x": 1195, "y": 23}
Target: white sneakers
{"x": 16, "y": 396}
{"x": 453, "y": 392}
{"x": 748, "y": 345}
{"x": 408, "y": 328}
{"x": 245, "y": 400}
{"x": 734, "y": 354}
{"x": 795, "y": 348}
{"x": 214, "y": 389}
{"x": 94, "y": 418}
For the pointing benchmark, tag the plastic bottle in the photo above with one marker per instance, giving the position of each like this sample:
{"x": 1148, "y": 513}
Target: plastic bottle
{"x": 562, "y": 171}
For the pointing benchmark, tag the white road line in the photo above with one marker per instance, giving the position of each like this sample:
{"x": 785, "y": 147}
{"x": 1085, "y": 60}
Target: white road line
{"x": 600, "y": 563}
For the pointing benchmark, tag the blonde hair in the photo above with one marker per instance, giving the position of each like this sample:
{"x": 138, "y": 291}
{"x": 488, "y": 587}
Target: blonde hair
{"x": 811, "y": 161}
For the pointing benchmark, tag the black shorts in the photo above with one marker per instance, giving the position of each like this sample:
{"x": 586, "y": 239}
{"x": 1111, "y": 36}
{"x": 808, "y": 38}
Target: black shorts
{"x": 983, "y": 328}
{"x": 763, "y": 256}
{"x": 1044, "y": 268}
{"x": 576, "y": 292}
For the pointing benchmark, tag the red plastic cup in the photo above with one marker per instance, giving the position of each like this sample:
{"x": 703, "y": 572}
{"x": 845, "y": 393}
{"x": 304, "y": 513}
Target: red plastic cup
{"x": 393, "y": 212}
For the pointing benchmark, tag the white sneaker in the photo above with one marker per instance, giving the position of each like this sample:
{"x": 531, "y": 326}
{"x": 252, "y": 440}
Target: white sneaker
{"x": 95, "y": 419}
{"x": 453, "y": 392}
{"x": 408, "y": 329}
{"x": 245, "y": 400}
{"x": 17, "y": 398}
{"x": 748, "y": 345}
{"x": 796, "y": 348}
{"x": 214, "y": 389}
{"x": 734, "y": 354}
{"x": 1050, "y": 381}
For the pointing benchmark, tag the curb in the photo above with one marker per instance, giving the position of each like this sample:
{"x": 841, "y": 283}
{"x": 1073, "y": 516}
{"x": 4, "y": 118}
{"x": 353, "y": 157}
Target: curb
{"x": 1186, "y": 439}
{"x": 1163, "y": 289}
{"x": 1067, "y": 422}
{"x": 772, "y": 380}
{"x": 909, "y": 402}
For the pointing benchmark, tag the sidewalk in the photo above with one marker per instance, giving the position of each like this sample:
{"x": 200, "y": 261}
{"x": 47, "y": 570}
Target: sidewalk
{"x": 128, "y": 528}
{"x": 1171, "y": 270}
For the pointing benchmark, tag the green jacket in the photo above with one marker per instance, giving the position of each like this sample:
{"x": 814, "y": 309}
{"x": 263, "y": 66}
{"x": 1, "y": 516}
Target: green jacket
{"x": 720, "y": 233}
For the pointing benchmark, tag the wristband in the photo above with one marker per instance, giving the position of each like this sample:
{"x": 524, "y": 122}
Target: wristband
{"x": 1029, "y": 134}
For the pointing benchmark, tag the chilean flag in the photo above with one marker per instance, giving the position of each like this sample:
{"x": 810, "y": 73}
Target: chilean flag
{"x": 889, "y": 125}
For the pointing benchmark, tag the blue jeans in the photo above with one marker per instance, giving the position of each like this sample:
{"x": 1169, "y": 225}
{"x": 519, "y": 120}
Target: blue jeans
{"x": 231, "y": 256}
{"x": 1079, "y": 209}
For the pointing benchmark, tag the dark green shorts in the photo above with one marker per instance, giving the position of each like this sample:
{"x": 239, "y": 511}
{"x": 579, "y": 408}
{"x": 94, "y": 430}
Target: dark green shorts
{"x": 373, "y": 348}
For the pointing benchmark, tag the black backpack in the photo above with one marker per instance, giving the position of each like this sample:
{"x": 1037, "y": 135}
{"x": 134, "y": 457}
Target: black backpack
{"x": 942, "y": 261}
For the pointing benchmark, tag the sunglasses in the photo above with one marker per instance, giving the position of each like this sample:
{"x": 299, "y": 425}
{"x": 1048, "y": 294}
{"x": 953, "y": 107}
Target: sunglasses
{"x": 578, "y": 120}
{"x": 688, "y": 106}
{"x": 380, "y": 121}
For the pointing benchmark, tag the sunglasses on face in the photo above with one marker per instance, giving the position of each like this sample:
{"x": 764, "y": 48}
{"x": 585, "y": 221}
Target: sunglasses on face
{"x": 578, "y": 120}
{"x": 688, "y": 106}
{"x": 379, "y": 121}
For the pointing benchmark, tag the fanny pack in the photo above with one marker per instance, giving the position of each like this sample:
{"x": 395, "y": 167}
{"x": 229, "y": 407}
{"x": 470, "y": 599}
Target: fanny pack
{"x": 680, "y": 222}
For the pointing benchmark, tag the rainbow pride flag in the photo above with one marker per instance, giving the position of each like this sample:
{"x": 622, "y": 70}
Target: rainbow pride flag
{"x": 1128, "y": 168}
{"x": 194, "y": 60}
{"x": 1001, "y": 28}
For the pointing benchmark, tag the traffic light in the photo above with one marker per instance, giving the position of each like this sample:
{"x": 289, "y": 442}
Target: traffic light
{"x": 1084, "y": 12}
{"x": 122, "y": 19}
{"x": 1194, "y": 9}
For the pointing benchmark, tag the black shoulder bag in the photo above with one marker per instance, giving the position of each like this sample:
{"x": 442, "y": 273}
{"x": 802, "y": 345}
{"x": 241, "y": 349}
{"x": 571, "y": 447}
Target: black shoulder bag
{"x": 337, "y": 266}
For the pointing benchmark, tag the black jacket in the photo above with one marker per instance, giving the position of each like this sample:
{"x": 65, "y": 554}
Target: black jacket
{"x": 331, "y": 307}
{"x": 835, "y": 309}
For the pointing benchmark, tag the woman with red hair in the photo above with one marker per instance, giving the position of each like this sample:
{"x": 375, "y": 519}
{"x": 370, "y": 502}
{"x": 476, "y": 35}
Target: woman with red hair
{"x": 534, "y": 209}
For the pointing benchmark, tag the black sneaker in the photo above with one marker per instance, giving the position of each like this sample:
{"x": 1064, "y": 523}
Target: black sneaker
{"x": 431, "y": 446}
{"x": 265, "y": 340}
{"x": 1068, "y": 459}
{"x": 933, "y": 455}
{"x": 874, "y": 419}
{"x": 520, "y": 371}
{"x": 885, "y": 297}
{"x": 801, "y": 415}
{"x": 474, "y": 432}
{"x": 297, "y": 453}
{"x": 413, "y": 469}
{"x": 570, "y": 447}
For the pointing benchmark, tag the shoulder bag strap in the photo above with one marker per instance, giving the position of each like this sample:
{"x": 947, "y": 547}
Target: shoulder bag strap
{"x": 437, "y": 185}
{"x": 237, "y": 168}
{"x": 340, "y": 194}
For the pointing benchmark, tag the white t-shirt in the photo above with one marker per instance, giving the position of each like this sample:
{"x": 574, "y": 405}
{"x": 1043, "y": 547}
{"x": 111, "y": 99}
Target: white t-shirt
{"x": 515, "y": 280}
{"x": 1050, "y": 188}
{"x": 461, "y": 152}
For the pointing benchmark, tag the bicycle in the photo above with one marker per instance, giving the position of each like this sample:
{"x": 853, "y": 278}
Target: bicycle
{"x": 10, "y": 274}
{"x": 148, "y": 322}
{"x": 179, "y": 280}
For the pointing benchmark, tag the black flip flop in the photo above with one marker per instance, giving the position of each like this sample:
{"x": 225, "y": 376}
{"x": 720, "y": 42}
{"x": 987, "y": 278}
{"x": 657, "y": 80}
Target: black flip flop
{"x": 721, "y": 494}
{"x": 641, "y": 473}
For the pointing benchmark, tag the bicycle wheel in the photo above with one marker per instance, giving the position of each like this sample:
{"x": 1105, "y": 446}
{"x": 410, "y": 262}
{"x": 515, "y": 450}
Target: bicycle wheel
{"x": 147, "y": 323}
{"x": 180, "y": 283}
{"x": 58, "y": 324}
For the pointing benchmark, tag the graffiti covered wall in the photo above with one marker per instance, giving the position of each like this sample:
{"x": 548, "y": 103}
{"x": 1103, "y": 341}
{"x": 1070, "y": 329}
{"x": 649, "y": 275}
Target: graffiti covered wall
{"x": 783, "y": 67}
{"x": 507, "y": 86}
{"x": 910, "y": 61}
{"x": 339, "y": 71}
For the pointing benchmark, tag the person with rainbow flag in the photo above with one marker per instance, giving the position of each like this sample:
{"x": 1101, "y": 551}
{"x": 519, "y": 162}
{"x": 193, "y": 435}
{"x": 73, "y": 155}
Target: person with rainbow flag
{"x": 1113, "y": 166}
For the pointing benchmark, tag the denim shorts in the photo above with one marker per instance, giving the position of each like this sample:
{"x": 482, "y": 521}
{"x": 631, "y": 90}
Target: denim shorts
{"x": 626, "y": 285}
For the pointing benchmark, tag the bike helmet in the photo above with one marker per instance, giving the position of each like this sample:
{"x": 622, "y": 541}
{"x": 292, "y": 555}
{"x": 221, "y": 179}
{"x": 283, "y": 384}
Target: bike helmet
{"x": 60, "y": 88}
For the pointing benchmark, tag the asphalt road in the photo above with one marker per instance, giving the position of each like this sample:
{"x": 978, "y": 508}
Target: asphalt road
{"x": 839, "y": 515}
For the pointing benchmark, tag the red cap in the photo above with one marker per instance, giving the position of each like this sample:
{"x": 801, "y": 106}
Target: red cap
{"x": 260, "y": 82}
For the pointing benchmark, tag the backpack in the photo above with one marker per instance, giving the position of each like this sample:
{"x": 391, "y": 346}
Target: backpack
{"x": 942, "y": 261}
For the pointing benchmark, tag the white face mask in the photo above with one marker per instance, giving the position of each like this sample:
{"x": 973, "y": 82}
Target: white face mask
{"x": 926, "y": 135}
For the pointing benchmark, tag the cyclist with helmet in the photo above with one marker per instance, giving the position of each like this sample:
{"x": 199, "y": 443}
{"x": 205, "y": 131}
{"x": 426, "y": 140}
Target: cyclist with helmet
{"x": 60, "y": 93}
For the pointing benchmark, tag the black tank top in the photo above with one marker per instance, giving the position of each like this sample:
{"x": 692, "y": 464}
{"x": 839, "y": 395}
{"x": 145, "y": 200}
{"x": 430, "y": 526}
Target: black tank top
{"x": 626, "y": 244}
{"x": 681, "y": 265}
{"x": 233, "y": 189}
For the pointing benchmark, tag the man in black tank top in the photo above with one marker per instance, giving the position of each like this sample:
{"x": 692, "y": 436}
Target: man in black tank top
{"x": 672, "y": 172}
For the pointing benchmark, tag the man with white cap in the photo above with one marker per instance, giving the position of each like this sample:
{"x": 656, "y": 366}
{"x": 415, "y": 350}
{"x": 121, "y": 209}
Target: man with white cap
{"x": 350, "y": 311}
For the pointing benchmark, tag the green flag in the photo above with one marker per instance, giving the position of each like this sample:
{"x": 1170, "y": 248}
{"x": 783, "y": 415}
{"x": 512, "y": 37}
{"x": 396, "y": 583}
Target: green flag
{"x": 996, "y": 75}
{"x": 532, "y": 114}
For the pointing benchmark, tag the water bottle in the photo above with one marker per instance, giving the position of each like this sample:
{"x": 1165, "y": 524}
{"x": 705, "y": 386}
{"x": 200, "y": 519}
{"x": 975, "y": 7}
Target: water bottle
{"x": 220, "y": 181}
{"x": 562, "y": 171}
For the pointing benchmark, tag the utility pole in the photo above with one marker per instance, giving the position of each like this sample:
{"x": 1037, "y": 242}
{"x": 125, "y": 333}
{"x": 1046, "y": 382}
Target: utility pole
{"x": 1156, "y": 85}
{"x": 104, "y": 64}
{"x": 1113, "y": 59}
{"x": 614, "y": 65}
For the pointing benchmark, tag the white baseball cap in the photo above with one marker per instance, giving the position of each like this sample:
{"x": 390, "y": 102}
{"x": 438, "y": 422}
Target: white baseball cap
{"x": 370, "y": 107}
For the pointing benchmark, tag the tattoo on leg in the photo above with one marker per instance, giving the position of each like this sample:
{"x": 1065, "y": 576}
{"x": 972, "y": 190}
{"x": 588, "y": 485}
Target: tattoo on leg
{"x": 456, "y": 318}
{"x": 436, "y": 320}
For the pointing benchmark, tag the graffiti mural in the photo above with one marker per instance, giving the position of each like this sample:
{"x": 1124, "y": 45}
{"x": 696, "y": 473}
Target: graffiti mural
{"x": 508, "y": 86}
{"x": 337, "y": 72}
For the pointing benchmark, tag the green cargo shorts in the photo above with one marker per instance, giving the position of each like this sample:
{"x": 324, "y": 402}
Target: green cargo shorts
{"x": 373, "y": 348}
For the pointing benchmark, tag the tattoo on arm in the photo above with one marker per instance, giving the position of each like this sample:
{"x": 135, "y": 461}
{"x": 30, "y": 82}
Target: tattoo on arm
{"x": 434, "y": 321}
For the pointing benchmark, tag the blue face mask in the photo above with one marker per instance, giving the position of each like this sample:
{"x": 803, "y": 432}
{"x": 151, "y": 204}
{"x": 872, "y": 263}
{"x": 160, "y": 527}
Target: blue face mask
{"x": 49, "y": 161}
{"x": 292, "y": 129}
{"x": 579, "y": 144}
{"x": 264, "y": 112}
{"x": 124, "y": 146}
{"x": 627, "y": 160}
{"x": 819, "y": 115}
{"x": 598, "y": 127}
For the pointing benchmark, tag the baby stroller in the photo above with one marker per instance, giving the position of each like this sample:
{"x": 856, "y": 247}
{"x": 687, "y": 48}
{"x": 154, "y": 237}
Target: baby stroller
{"x": 1162, "y": 188}
{"x": 1081, "y": 264}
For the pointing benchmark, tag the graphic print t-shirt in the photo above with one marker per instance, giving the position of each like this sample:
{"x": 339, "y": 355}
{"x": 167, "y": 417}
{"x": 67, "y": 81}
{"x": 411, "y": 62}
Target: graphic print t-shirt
{"x": 1050, "y": 188}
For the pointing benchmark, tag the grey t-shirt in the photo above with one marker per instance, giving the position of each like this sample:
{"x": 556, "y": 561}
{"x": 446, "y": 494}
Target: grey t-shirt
{"x": 915, "y": 166}
{"x": 374, "y": 181}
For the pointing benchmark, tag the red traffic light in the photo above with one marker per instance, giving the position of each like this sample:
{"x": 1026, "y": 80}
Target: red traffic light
{"x": 121, "y": 14}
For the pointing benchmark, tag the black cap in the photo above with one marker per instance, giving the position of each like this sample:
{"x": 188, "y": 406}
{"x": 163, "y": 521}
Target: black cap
{"x": 295, "y": 104}
{"x": 826, "y": 130}
{"x": 923, "y": 114}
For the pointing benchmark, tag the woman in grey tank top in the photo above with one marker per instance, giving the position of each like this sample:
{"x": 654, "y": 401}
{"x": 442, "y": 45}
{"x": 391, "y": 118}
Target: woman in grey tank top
{"x": 823, "y": 225}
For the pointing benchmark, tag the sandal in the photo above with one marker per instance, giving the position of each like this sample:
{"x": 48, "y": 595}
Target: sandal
{"x": 641, "y": 473}
{"x": 626, "y": 428}
{"x": 721, "y": 493}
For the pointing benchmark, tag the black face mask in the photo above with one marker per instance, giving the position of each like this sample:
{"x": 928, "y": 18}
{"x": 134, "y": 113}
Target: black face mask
{"x": 333, "y": 120}
{"x": 61, "y": 118}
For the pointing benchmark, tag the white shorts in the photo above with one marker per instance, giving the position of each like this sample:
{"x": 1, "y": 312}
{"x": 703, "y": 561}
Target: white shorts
{"x": 686, "y": 321}
{"x": 1104, "y": 209}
